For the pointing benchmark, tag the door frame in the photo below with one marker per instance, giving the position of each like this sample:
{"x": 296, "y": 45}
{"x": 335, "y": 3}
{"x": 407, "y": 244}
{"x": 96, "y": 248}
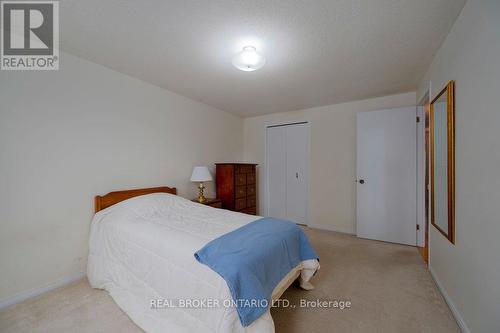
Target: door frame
{"x": 422, "y": 181}
{"x": 308, "y": 168}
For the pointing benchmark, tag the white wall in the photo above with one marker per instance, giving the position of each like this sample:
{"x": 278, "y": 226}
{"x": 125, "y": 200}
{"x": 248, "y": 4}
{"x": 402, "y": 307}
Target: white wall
{"x": 469, "y": 271}
{"x": 332, "y": 195}
{"x": 68, "y": 135}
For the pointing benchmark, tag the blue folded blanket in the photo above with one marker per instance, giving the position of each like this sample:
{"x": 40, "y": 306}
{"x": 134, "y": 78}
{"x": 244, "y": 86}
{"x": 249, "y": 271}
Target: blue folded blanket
{"x": 253, "y": 259}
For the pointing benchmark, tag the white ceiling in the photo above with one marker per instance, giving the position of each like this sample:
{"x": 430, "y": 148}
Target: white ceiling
{"x": 318, "y": 52}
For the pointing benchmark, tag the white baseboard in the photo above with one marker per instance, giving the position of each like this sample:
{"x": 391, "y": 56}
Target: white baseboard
{"x": 451, "y": 305}
{"x": 24, "y": 295}
{"x": 329, "y": 228}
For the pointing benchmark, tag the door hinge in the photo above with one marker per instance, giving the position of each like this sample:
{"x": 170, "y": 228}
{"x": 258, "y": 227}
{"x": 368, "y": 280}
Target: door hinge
{"x": 418, "y": 119}
{"x": 418, "y": 227}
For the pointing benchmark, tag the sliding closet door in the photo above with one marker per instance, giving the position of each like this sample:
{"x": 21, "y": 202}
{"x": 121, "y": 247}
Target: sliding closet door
{"x": 297, "y": 149}
{"x": 287, "y": 156}
{"x": 276, "y": 176}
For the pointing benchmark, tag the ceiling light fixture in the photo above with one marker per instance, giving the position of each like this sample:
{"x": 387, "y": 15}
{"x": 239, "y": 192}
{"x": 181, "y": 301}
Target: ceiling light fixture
{"x": 248, "y": 59}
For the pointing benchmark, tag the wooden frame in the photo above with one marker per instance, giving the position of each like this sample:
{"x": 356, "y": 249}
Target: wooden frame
{"x": 112, "y": 198}
{"x": 450, "y": 99}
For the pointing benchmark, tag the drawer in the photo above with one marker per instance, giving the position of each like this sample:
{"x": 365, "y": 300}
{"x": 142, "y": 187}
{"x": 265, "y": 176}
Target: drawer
{"x": 250, "y": 210}
{"x": 241, "y": 191}
{"x": 217, "y": 204}
{"x": 245, "y": 168}
{"x": 251, "y": 178}
{"x": 240, "y": 203}
{"x": 240, "y": 179}
{"x": 251, "y": 201}
{"x": 250, "y": 190}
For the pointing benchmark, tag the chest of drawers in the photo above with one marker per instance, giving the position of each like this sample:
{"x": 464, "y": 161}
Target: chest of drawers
{"x": 236, "y": 186}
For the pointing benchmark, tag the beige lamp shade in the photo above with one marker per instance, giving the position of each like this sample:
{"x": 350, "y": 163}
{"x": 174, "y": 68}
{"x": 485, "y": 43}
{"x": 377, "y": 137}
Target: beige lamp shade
{"x": 201, "y": 174}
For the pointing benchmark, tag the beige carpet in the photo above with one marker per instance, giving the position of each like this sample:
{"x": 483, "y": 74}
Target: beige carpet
{"x": 388, "y": 285}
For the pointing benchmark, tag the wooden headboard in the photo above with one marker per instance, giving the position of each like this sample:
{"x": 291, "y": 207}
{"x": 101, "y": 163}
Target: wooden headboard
{"x": 112, "y": 198}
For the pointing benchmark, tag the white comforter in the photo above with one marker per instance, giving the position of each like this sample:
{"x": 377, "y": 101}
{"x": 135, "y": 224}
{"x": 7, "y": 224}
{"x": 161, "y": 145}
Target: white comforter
{"x": 142, "y": 249}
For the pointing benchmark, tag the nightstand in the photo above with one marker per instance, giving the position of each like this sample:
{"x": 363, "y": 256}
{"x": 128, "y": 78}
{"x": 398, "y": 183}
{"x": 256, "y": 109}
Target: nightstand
{"x": 212, "y": 202}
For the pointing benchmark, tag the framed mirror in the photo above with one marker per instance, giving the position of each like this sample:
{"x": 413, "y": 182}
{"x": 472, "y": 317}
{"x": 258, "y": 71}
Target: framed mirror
{"x": 442, "y": 142}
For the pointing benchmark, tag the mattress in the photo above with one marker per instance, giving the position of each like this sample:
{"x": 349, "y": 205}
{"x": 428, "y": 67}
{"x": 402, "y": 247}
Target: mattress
{"x": 141, "y": 252}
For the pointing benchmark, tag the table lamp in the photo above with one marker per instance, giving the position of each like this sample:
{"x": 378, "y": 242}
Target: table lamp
{"x": 201, "y": 174}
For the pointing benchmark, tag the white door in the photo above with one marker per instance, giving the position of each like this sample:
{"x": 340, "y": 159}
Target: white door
{"x": 276, "y": 175}
{"x": 297, "y": 158}
{"x": 287, "y": 171}
{"x": 386, "y": 175}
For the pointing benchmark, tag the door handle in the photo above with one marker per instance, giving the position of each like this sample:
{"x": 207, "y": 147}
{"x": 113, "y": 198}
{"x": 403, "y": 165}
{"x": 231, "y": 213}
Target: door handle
{"x": 361, "y": 181}
{"x": 297, "y": 175}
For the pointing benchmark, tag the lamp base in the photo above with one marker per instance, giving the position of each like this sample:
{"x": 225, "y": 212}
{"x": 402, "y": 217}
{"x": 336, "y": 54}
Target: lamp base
{"x": 201, "y": 198}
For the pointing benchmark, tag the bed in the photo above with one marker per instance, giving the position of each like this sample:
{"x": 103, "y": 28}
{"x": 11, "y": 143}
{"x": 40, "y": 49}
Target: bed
{"x": 141, "y": 251}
